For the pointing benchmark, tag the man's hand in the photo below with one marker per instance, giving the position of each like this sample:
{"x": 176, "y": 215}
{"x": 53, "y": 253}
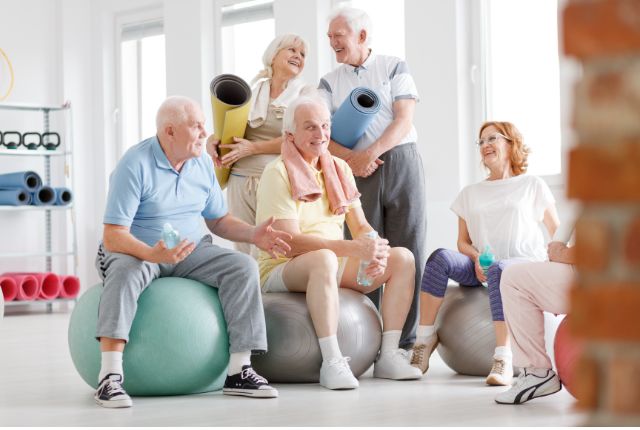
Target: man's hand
{"x": 212, "y": 150}
{"x": 162, "y": 255}
{"x": 274, "y": 242}
{"x": 363, "y": 163}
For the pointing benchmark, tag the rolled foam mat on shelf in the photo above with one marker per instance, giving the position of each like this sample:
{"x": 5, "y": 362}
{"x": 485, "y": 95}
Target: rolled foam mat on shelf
{"x": 26, "y": 179}
{"x": 354, "y": 115}
{"x": 14, "y": 197}
{"x": 230, "y": 97}
{"x": 45, "y": 195}
{"x": 9, "y": 288}
{"x": 49, "y": 285}
{"x": 70, "y": 286}
{"x": 64, "y": 196}
{"x": 28, "y": 288}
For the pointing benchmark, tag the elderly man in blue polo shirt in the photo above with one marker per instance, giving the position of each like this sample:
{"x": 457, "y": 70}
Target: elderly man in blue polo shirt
{"x": 385, "y": 161}
{"x": 170, "y": 179}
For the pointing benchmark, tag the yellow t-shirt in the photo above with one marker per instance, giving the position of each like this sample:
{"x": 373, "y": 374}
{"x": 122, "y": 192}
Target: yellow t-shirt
{"x": 274, "y": 199}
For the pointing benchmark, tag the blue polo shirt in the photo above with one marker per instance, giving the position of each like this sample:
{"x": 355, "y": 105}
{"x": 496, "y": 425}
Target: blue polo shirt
{"x": 145, "y": 192}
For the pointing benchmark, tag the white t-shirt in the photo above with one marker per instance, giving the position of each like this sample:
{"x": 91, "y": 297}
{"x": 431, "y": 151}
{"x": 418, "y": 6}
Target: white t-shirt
{"x": 506, "y": 215}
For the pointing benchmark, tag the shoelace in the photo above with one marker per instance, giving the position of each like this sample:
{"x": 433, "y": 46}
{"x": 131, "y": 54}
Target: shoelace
{"x": 342, "y": 364}
{"x": 418, "y": 354}
{"x": 252, "y": 376}
{"x": 114, "y": 387}
{"x": 498, "y": 367}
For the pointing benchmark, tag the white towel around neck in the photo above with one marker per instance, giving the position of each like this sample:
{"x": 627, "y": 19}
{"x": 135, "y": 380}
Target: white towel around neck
{"x": 261, "y": 97}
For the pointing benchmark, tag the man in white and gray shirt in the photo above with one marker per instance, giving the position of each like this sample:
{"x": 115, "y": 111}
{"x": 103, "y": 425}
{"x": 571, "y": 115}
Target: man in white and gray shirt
{"x": 385, "y": 161}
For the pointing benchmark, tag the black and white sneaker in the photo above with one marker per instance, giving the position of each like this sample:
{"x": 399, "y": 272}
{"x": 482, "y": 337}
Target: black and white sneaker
{"x": 248, "y": 383}
{"x": 529, "y": 386}
{"x": 110, "y": 393}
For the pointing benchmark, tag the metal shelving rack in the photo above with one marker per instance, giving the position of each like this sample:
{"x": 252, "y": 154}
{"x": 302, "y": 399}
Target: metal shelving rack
{"x": 64, "y": 150}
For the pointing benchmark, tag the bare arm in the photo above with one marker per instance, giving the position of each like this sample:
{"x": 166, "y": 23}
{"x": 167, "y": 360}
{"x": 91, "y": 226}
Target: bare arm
{"x": 551, "y": 219}
{"x": 465, "y": 246}
{"x": 117, "y": 238}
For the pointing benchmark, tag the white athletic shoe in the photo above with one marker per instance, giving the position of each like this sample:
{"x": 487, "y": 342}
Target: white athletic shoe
{"x": 501, "y": 372}
{"x": 529, "y": 386}
{"x": 335, "y": 374}
{"x": 395, "y": 365}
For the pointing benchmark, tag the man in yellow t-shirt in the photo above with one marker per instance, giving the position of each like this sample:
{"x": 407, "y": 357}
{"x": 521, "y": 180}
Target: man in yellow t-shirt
{"x": 320, "y": 260}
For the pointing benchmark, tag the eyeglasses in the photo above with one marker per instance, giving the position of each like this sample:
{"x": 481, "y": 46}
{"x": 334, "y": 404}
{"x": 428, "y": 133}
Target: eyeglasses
{"x": 490, "y": 139}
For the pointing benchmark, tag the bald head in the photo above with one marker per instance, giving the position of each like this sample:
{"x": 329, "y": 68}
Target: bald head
{"x": 175, "y": 110}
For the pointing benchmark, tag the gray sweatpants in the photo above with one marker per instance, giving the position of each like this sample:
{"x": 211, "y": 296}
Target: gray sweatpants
{"x": 235, "y": 275}
{"x": 394, "y": 202}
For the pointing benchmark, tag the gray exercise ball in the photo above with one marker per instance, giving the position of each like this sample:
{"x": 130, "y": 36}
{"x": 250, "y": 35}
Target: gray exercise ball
{"x": 465, "y": 329}
{"x": 294, "y": 352}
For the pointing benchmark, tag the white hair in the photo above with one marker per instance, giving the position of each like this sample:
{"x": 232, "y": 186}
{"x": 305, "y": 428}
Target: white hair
{"x": 174, "y": 111}
{"x": 279, "y": 43}
{"x": 307, "y": 98}
{"x": 357, "y": 19}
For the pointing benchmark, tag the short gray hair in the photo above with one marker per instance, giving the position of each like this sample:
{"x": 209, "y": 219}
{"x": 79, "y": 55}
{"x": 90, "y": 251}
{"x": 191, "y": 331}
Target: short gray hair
{"x": 309, "y": 99}
{"x": 357, "y": 19}
{"x": 279, "y": 43}
{"x": 174, "y": 111}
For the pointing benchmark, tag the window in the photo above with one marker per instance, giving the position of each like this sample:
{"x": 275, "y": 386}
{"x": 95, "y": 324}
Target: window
{"x": 387, "y": 18}
{"x": 142, "y": 80}
{"x": 523, "y": 81}
{"x": 247, "y": 29}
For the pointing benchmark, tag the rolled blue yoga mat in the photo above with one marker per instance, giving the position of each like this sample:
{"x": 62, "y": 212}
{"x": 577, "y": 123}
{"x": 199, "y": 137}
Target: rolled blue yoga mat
{"x": 64, "y": 196}
{"x": 29, "y": 180}
{"x": 45, "y": 195}
{"x": 354, "y": 115}
{"x": 14, "y": 197}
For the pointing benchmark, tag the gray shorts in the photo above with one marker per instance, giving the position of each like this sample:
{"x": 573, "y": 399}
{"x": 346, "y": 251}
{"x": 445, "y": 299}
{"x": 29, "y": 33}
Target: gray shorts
{"x": 275, "y": 283}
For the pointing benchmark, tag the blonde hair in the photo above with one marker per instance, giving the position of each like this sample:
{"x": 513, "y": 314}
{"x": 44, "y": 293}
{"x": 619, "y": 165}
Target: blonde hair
{"x": 519, "y": 151}
{"x": 279, "y": 43}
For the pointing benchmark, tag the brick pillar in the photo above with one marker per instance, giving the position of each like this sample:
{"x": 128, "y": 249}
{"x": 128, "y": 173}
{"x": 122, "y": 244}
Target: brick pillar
{"x": 604, "y": 174}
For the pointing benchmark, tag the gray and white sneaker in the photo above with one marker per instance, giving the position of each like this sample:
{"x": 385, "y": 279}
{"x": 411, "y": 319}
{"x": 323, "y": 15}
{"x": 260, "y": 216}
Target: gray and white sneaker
{"x": 110, "y": 393}
{"x": 335, "y": 374}
{"x": 529, "y": 386}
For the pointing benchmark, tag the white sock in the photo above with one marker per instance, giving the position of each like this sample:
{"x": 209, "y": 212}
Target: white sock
{"x": 424, "y": 333}
{"x": 111, "y": 363}
{"x": 390, "y": 340}
{"x": 237, "y": 360}
{"x": 503, "y": 353}
{"x": 329, "y": 347}
{"x": 538, "y": 371}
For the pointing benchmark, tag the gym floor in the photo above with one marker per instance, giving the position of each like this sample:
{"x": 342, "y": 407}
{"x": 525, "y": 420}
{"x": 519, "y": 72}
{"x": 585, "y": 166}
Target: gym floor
{"x": 40, "y": 387}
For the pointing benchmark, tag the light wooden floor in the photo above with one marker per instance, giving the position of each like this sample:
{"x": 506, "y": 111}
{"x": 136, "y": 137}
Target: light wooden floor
{"x": 40, "y": 387}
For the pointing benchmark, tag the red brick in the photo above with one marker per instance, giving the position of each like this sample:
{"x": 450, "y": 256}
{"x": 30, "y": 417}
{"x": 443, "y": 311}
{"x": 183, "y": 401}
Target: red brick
{"x": 632, "y": 243}
{"x": 624, "y": 385}
{"x": 609, "y": 173}
{"x": 601, "y": 28}
{"x": 586, "y": 385}
{"x": 593, "y": 239}
{"x": 606, "y": 311}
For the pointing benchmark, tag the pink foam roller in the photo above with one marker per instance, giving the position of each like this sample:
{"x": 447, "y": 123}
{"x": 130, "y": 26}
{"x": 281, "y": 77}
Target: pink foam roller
{"x": 49, "y": 285}
{"x": 9, "y": 288}
{"x": 70, "y": 286}
{"x": 28, "y": 286}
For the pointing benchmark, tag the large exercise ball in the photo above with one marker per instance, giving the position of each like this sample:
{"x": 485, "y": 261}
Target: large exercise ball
{"x": 567, "y": 351}
{"x": 178, "y": 343}
{"x": 466, "y": 332}
{"x": 294, "y": 352}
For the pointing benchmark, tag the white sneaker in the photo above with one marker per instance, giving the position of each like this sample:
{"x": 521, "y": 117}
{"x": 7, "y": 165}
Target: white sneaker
{"x": 501, "y": 372}
{"x": 335, "y": 374}
{"x": 395, "y": 365}
{"x": 529, "y": 386}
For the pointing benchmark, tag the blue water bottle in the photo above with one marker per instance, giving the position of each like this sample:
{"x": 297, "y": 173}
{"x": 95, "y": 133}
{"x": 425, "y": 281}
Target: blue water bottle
{"x": 362, "y": 278}
{"x": 486, "y": 259}
{"x": 170, "y": 236}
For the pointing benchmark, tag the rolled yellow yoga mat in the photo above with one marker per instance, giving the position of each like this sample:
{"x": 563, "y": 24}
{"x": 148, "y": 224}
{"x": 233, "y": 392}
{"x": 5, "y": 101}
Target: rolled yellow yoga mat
{"x": 230, "y": 97}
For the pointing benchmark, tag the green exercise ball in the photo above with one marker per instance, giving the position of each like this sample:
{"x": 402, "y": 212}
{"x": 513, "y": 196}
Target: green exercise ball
{"x": 178, "y": 343}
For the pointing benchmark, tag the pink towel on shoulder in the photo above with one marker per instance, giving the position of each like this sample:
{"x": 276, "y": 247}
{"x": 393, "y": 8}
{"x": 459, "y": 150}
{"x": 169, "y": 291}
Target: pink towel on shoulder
{"x": 340, "y": 191}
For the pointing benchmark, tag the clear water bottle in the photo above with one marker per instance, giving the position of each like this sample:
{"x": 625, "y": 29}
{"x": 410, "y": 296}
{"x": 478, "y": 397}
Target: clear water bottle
{"x": 486, "y": 259}
{"x": 363, "y": 279}
{"x": 170, "y": 236}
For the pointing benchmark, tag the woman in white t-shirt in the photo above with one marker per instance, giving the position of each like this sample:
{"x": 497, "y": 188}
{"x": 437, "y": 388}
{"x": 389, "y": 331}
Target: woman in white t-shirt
{"x": 503, "y": 213}
{"x": 274, "y": 88}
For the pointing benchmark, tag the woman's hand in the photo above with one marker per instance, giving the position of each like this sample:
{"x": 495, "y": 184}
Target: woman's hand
{"x": 240, "y": 149}
{"x": 212, "y": 150}
{"x": 479, "y": 270}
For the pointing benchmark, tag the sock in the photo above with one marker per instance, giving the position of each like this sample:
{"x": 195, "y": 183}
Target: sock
{"x": 237, "y": 360}
{"x": 390, "y": 340}
{"x": 111, "y": 363}
{"x": 503, "y": 353}
{"x": 329, "y": 347}
{"x": 424, "y": 333}
{"x": 538, "y": 371}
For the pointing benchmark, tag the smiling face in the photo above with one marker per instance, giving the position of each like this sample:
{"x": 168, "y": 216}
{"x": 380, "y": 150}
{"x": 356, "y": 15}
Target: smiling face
{"x": 289, "y": 61}
{"x": 496, "y": 150}
{"x": 312, "y": 132}
{"x": 349, "y": 46}
{"x": 188, "y": 133}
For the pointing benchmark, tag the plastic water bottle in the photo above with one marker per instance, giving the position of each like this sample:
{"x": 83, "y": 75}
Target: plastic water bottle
{"x": 363, "y": 279}
{"x": 486, "y": 259}
{"x": 170, "y": 236}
